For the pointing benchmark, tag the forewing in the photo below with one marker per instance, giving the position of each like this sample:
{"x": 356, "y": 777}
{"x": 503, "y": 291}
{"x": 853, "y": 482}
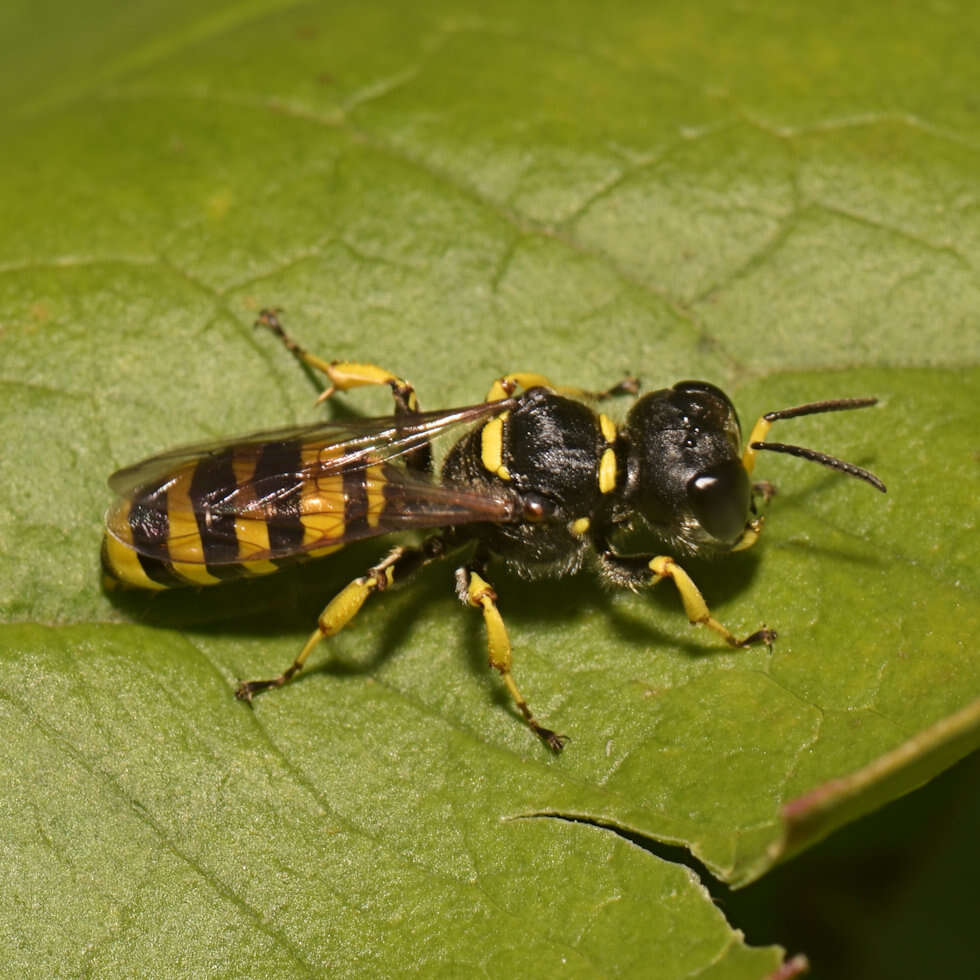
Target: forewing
{"x": 381, "y": 438}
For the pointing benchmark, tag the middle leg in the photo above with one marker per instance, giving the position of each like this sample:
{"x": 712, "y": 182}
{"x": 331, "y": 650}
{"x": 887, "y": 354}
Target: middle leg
{"x": 474, "y": 590}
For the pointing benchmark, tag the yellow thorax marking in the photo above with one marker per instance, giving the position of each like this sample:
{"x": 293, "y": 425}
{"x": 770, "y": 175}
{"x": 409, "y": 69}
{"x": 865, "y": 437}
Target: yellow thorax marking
{"x": 492, "y": 446}
{"x": 607, "y": 472}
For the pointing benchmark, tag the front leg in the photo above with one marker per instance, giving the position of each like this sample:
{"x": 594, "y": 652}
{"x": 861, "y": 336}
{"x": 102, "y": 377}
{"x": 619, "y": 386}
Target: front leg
{"x": 642, "y": 571}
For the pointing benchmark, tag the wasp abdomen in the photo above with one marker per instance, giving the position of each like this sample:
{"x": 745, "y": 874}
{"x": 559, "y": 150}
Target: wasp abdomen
{"x": 240, "y": 512}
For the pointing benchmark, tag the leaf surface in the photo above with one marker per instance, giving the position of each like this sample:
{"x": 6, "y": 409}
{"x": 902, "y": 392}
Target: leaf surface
{"x": 671, "y": 192}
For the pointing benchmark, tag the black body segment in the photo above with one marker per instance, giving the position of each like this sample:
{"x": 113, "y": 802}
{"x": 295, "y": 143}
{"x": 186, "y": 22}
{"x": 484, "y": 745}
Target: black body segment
{"x": 277, "y": 481}
{"x": 550, "y": 448}
{"x": 150, "y": 530}
{"x": 211, "y": 478}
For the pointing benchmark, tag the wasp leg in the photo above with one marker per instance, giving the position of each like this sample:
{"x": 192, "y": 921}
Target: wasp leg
{"x": 399, "y": 563}
{"x": 695, "y": 606}
{"x": 633, "y": 571}
{"x": 750, "y": 535}
{"x": 344, "y": 375}
{"x": 505, "y": 386}
{"x": 763, "y": 492}
{"x": 475, "y": 591}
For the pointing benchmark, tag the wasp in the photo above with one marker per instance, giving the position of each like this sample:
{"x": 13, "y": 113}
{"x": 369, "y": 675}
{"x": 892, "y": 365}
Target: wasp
{"x": 535, "y": 478}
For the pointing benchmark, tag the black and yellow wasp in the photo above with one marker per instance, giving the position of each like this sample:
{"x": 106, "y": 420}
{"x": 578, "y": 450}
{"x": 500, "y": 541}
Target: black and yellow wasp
{"x": 536, "y": 479}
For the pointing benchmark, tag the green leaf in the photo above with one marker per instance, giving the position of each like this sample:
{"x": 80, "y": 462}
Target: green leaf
{"x": 786, "y": 206}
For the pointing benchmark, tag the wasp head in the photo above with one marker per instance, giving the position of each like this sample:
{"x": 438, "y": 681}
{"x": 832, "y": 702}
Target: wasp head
{"x": 685, "y": 476}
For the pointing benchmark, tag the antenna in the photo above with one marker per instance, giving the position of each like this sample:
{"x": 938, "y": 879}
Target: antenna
{"x": 814, "y": 408}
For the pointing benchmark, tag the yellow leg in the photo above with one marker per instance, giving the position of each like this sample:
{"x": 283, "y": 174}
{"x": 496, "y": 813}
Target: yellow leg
{"x": 696, "y": 608}
{"x": 338, "y": 613}
{"x": 505, "y": 386}
{"x": 481, "y": 596}
{"x": 344, "y": 375}
{"x": 750, "y": 535}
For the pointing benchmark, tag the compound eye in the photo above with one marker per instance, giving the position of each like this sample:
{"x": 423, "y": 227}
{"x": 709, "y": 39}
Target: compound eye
{"x": 537, "y": 508}
{"x": 720, "y": 497}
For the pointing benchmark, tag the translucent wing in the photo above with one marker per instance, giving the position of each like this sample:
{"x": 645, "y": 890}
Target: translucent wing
{"x": 382, "y": 438}
{"x": 292, "y": 491}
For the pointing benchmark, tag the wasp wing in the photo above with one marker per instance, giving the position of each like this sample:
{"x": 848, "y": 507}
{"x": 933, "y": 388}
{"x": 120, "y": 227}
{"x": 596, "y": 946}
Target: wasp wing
{"x": 381, "y": 438}
{"x": 292, "y": 491}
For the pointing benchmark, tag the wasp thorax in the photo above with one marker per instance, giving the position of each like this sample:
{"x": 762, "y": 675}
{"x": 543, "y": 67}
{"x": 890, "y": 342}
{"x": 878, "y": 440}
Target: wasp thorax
{"x": 685, "y": 476}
